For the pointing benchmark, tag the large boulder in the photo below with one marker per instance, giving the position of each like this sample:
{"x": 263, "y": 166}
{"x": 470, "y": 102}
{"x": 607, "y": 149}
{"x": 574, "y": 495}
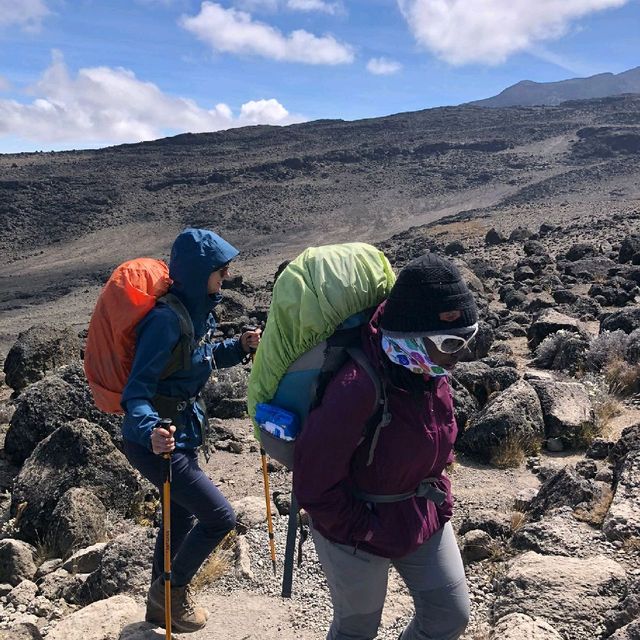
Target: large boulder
{"x": 102, "y": 620}
{"x": 548, "y": 322}
{"x": 482, "y": 381}
{"x": 79, "y": 520}
{"x": 16, "y": 561}
{"x": 78, "y": 454}
{"x": 562, "y": 351}
{"x": 465, "y": 406}
{"x": 39, "y": 351}
{"x": 558, "y": 534}
{"x": 494, "y": 237}
{"x": 125, "y": 567}
{"x": 589, "y": 269}
{"x": 581, "y": 250}
{"x": 50, "y": 403}
{"x": 520, "y": 234}
{"x": 628, "y": 442}
{"x": 623, "y": 518}
{"x": 225, "y": 394}
{"x": 60, "y": 584}
{"x": 565, "y": 488}
{"x": 627, "y": 320}
{"x": 629, "y": 247}
{"x": 518, "y": 626}
{"x": 514, "y": 415}
{"x": 569, "y": 593}
{"x": 567, "y": 411}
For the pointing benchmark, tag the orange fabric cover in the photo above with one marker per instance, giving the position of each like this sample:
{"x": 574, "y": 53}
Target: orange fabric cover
{"x": 130, "y": 293}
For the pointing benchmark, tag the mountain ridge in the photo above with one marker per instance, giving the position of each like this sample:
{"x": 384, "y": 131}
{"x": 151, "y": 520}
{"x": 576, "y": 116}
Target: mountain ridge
{"x": 530, "y": 93}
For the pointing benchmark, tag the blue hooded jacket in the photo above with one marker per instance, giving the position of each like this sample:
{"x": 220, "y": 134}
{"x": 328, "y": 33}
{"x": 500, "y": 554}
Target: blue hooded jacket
{"x": 195, "y": 254}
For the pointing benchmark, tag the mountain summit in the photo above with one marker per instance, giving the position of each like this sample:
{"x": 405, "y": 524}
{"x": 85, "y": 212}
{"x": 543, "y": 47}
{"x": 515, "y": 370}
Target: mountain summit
{"x": 528, "y": 93}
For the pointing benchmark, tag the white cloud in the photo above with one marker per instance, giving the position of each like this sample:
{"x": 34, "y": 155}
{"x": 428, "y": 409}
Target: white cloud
{"x": 256, "y": 111}
{"x": 5, "y": 85}
{"x": 233, "y": 31}
{"x": 383, "y": 67}
{"x": 314, "y": 5}
{"x": 489, "y": 31}
{"x": 101, "y": 106}
{"x": 27, "y": 14}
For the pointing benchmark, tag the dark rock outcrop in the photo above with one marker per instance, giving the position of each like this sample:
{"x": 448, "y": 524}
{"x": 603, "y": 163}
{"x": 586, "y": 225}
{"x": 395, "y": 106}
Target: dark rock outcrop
{"x": 77, "y": 454}
{"x": 513, "y": 415}
{"x": 50, "y": 403}
{"x": 39, "y": 351}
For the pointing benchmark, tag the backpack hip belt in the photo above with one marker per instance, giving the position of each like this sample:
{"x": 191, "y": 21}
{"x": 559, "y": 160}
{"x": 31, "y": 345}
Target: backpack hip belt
{"x": 426, "y": 489}
{"x": 171, "y": 407}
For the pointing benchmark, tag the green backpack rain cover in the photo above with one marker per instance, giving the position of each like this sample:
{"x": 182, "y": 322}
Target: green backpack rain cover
{"x": 316, "y": 293}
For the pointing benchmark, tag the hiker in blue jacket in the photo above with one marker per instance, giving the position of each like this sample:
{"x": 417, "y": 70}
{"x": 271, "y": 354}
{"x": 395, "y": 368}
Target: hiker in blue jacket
{"x": 200, "y": 515}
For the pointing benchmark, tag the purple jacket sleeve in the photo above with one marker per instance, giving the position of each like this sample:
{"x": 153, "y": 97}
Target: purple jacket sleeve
{"x": 323, "y": 454}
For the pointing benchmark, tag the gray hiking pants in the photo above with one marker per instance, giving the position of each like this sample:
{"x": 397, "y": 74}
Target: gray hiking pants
{"x": 433, "y": 574}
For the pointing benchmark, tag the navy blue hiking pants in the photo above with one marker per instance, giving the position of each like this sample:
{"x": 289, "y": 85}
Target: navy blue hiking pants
{"x": 200, "y": 515}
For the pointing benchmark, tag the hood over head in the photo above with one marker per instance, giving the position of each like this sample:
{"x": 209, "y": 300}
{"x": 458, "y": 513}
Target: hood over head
{"x": 195, "y": 254}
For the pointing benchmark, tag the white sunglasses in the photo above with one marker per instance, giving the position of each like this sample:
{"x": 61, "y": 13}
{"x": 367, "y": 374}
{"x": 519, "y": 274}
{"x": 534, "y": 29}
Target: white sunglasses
{"x": 450, "y": 343}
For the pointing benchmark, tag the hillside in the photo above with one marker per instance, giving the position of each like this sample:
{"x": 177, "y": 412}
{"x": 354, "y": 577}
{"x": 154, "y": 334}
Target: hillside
{"x": 67, "y": 218}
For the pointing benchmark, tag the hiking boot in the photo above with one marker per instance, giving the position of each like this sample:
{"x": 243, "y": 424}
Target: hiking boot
{"x": 186, "y": 616}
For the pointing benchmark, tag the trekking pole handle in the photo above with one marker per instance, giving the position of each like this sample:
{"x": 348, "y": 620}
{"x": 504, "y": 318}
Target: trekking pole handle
{"x": 250, "y": 327}
{"x": 165, "y": 423}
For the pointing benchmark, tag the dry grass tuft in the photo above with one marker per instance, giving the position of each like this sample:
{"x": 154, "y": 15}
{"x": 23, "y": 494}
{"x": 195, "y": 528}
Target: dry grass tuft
{"x": 517, "y": 521}
{"x": 43, "y": 552}
{"x": 605, "y": 410}
{"x": 218, "y": 563}
{"x": 623, "y": 378}
{"x": 632, "y": 545}
{"x": 497, "y": 552}
{"x": 596, "y": 515}
{"x": 512, "y": 451}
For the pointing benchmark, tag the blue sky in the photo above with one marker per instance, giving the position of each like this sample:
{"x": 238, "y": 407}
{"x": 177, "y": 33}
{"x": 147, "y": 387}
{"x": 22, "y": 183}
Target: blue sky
{"x": 89, "y": 73}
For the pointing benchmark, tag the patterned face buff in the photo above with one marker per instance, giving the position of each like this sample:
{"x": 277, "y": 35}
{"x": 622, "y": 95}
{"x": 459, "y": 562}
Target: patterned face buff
{"x": 411, "y": 354}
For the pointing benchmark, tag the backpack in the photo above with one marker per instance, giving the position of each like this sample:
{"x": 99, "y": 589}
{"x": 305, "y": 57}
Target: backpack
{"x": 133, "y": 289}
{"x": 320, "y": 302}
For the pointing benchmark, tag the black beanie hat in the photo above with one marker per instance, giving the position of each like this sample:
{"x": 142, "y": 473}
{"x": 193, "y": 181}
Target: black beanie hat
{"x": 425, "y": 288}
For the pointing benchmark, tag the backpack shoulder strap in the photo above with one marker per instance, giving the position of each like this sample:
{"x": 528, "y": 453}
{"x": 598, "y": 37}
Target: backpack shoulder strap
{"x": 380, "y": 416}
{"x": 181, "y": 354}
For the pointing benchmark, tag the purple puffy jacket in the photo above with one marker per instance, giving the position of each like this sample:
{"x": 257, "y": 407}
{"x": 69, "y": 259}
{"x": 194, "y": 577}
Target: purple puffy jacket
{"x": 330, "y": 459}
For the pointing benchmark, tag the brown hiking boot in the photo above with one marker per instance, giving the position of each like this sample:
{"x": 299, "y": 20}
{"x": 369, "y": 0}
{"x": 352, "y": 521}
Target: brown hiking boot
{"x": 186, "y": 616}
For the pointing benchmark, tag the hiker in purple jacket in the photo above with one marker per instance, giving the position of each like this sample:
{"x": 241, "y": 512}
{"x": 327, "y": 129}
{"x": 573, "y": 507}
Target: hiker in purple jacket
{"x": 379, "y": 496}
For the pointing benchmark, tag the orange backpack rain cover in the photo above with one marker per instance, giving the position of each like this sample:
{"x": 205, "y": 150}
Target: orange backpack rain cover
{"x": 130, "y": 293}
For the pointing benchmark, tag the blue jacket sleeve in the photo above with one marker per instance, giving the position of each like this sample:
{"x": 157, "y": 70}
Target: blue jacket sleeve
{"x": 157, "y": 335}
{"x": 228, "y": 353}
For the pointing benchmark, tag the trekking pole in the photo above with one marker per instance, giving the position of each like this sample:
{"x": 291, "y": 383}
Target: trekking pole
{"x": 265, "y": 477}
{"x": 265, "y": 480}
{"x": 166, "y": 531}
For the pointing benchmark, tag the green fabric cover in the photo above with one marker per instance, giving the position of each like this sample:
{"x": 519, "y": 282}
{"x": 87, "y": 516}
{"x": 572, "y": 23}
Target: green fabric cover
{"x": 317, "y": 291}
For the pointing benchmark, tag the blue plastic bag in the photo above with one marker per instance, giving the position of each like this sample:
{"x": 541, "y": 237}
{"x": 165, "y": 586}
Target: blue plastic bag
{"x": 280, "y": 423}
